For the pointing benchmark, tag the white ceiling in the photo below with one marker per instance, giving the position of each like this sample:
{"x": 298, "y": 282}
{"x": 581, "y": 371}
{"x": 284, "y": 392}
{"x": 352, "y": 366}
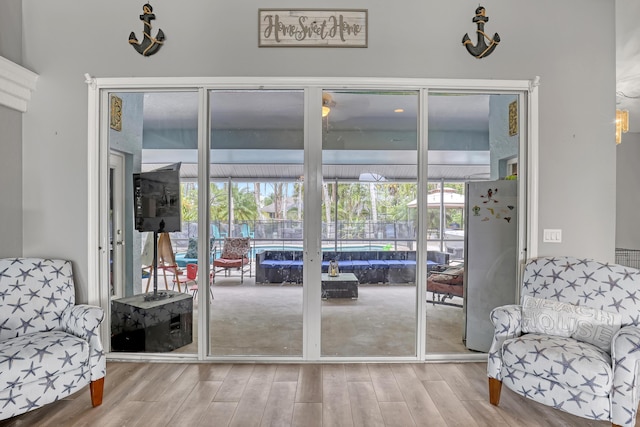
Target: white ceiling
{"x": 360, "y": 113}
{"x": 282, "y": 109}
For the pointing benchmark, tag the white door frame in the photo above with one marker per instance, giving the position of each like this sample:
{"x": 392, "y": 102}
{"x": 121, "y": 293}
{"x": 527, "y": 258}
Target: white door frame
{"x": 117, "y": 243}
{"x": 98, "y": 112}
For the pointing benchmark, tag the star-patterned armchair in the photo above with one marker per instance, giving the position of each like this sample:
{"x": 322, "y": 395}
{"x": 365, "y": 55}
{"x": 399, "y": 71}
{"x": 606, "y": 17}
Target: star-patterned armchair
{"x": 49, "y": 346}
{"x": 565, "y": 370}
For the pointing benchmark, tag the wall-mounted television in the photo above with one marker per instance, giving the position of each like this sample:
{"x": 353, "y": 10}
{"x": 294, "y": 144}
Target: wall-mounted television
{"x": 157, "y": 199}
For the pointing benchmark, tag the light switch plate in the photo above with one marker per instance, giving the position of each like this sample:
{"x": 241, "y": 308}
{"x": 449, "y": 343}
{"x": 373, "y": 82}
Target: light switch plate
{"x": 552, "y": 235}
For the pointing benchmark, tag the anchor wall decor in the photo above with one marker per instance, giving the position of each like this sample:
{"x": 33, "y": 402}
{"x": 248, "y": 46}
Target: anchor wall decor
{"x": 149, "y": 45}
{"x": 481, "y": 49}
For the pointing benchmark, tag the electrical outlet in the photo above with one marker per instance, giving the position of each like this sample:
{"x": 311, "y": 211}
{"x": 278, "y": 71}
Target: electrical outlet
{"x": 552, "y": 235}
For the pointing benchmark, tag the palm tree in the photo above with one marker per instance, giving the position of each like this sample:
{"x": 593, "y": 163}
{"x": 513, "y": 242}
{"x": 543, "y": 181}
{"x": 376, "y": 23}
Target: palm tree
{"x": 374, "y": 202}
{"x": 327, "y": 202}
{"x": 256, "y": 197}
{"x": 218, "y": 202}
{"x": 244, "y": 204}
{"x": 189, "y": 202}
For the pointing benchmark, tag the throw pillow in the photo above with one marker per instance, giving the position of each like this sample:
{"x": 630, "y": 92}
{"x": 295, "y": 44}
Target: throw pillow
{"x": 235, "y": 247}
{"x": 582, "y": 323}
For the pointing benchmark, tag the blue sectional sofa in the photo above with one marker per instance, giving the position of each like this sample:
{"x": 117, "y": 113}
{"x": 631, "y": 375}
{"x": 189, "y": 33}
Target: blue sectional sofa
{"x": 278, "y": 266}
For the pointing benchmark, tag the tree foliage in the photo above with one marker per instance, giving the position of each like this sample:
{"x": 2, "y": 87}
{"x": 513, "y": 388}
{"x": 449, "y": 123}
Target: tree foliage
{"x": 354, "y": 202}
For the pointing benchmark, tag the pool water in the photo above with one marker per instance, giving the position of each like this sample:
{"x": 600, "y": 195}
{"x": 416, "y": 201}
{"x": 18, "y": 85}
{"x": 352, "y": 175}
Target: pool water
{"x": 261, "y": 248}
{"x": 182, "y": 261}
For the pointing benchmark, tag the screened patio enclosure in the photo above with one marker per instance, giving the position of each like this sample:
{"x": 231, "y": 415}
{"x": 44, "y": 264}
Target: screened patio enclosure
{"x": 349, "y": 179}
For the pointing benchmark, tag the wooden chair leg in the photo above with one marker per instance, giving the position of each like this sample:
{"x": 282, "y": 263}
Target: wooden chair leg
{"x": 96, "y": 387}
{"x": 495, "y": 386}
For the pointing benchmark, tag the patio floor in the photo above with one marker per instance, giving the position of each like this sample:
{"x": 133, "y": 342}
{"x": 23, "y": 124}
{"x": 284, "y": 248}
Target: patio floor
{"x": 266, "y": 320}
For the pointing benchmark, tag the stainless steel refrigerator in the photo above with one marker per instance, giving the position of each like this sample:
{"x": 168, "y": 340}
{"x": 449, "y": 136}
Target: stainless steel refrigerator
{"x": 491, "y": 256}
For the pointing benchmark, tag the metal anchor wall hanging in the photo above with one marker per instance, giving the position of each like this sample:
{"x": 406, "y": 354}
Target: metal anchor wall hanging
{"x": 481, "y": 49}
{"x": 149, "y": 45}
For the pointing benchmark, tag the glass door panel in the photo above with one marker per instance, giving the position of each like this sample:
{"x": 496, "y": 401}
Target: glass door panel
{"x": 369, "y": 164}
{"x": 477, "y": 150}
{"x": 257, "y": 156}
{"x": 154, "y": 311}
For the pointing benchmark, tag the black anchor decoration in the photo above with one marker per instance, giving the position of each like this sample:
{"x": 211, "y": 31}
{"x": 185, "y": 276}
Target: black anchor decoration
{"x": 149, "y": 45}
{"x": 481, "y": 49}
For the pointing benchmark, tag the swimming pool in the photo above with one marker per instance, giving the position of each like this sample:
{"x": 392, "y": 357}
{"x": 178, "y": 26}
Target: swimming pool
{"x": 182, "y": 261}
{"x": 343, "y": 248}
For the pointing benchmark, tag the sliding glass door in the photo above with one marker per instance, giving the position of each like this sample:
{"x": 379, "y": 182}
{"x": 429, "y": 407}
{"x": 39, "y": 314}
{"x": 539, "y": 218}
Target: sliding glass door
{"x": 471, "y": 198}
{"x": 369, "y": 166}
{"x": 248, "y": 272}
{"x": 256, "y": 166}
{"x": 153, "y": 311}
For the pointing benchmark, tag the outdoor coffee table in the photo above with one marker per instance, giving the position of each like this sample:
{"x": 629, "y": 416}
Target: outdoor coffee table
{"x": 344, "y": 285}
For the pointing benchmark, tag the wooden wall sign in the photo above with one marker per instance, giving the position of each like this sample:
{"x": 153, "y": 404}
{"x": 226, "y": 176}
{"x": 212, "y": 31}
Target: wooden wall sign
{"x": 312, "y": 28}
{"x": 115, "y": 118}
{"x": 513, "y": 118}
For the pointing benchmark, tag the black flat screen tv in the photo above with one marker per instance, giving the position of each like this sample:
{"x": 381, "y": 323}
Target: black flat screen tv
{"x": 157, "y": 199}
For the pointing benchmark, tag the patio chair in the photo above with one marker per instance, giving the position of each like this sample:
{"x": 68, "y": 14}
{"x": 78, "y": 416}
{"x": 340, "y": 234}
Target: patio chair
{"x": 235, "y": 255}
{"x": 446, "y": 282}
{"x": 216, "y": 234}
{"x": 183, "y": 280}
{"x": 192, "y": 277}
{"x": 245, "y": 231}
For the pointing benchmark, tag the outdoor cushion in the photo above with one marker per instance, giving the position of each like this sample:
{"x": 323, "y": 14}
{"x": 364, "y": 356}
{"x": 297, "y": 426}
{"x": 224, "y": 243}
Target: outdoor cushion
{"x": 379, "y": 263}
{"x": 275, "y": 263}
{"x": 450, "y": 276}
{"x": 360, "y": 264}
{"x": 192, "y": 249}
{"x": 395, "y": 263}
{"x": 230, "y": 263}
{"x": 298, "y": 265}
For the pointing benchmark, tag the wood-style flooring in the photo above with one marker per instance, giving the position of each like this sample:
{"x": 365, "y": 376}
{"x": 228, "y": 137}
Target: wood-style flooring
{"x": 308, "y": 395}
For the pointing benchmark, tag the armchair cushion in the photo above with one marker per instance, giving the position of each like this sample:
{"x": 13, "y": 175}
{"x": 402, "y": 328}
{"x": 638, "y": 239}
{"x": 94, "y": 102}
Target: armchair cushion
{"x": 557, "y": 318}
{"x": 40, "y": 357}
{"x": 560, "y": 360}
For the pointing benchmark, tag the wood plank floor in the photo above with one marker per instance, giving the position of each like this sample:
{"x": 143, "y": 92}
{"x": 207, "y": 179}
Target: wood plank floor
{"x": 307, "y": 395}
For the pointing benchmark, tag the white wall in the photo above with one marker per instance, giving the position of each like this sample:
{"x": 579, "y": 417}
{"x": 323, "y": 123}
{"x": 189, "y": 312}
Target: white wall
{"x": 627, "y": 194}
{"x": 11, "y": 179}
{"x": 503, "y": 146}
{"x": 412, "y": 38}
{"x": 11, "y": 31}
{"x": 10, "y": 140}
